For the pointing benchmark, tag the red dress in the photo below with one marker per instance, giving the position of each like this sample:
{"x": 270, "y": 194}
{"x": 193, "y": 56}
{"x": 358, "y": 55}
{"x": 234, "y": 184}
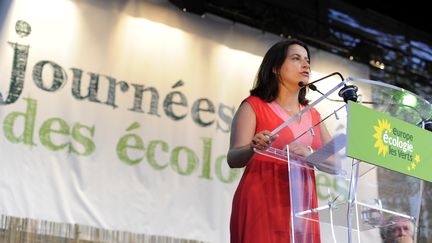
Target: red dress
{"x": 261, "y": 205}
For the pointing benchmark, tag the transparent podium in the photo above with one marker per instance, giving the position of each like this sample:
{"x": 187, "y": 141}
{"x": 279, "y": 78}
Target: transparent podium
{"x": 355, "y": 198}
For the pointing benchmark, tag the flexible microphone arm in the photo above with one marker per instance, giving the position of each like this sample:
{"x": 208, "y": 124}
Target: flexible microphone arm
{"x": 311, "y": 84}
{"x": 348, "y": 92}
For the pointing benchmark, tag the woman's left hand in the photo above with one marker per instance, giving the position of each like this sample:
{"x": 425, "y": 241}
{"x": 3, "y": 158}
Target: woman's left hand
{"x": 299, "y": 149}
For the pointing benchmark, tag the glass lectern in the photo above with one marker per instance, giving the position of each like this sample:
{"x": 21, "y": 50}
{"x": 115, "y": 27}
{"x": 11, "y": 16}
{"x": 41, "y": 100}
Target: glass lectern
{"x": 353, "y": 200}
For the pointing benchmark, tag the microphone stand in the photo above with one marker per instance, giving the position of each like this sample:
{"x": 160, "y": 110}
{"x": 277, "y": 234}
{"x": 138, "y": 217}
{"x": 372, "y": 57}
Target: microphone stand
{"x": 348, "y": 92}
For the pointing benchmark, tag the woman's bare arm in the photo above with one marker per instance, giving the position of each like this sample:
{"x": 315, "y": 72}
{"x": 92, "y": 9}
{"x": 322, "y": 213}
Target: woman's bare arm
{"x": 243, "y": 138}
{"x": 242, "y": 132}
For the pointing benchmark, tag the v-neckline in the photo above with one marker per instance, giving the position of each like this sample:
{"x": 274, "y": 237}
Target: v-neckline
{"x": 276, "y": 107}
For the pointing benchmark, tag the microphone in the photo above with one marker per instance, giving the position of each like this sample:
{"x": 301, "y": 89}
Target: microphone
{"x": 310, "y": 85}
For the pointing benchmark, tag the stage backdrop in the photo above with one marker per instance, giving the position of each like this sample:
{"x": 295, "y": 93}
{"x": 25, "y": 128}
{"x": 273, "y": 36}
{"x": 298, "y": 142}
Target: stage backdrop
{"x": 116, "y": 114}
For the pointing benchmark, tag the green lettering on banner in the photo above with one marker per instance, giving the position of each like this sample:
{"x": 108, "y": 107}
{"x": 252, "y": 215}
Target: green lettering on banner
{"x": 206, "y": 161}
{"x": 388, "y": 142}
{"x": 29, "y": 117}
{"x": 48, "y": 128}
{"x": 191, "y": 160}
{"x": 130, "y": 142}
{"x": 85, "y": 142}
{"x": 151, "y": 154}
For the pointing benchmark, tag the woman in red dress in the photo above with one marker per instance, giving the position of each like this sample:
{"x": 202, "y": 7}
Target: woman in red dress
{"x": 261, "y": 205}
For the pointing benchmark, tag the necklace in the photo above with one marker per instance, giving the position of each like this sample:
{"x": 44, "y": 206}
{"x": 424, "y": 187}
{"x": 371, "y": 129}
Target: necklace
{"x": 291, "y": 111}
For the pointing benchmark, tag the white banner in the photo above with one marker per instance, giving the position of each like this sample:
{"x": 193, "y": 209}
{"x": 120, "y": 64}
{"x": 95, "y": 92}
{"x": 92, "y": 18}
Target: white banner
{"x": 116, "y": 114}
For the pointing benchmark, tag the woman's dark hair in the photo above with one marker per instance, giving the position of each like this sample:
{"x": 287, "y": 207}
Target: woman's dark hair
{"x": 266, "y": 85}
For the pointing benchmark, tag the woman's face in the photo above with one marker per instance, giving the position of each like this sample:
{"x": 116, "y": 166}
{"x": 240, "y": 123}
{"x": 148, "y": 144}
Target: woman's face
{"x": 296, "y": 67}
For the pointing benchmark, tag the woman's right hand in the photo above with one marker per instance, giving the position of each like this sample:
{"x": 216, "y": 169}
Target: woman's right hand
{"x": 262, "y": 140}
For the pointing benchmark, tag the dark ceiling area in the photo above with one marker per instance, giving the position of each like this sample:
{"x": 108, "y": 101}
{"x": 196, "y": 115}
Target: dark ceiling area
{"x": 397, "y": 45}
{"x": 413, "y": 14}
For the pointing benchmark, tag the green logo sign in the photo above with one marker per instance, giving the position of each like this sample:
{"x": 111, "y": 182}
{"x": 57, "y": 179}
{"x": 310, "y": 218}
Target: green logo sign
{"x": 395, "y": 142}
{"x": 388, "y": 142}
